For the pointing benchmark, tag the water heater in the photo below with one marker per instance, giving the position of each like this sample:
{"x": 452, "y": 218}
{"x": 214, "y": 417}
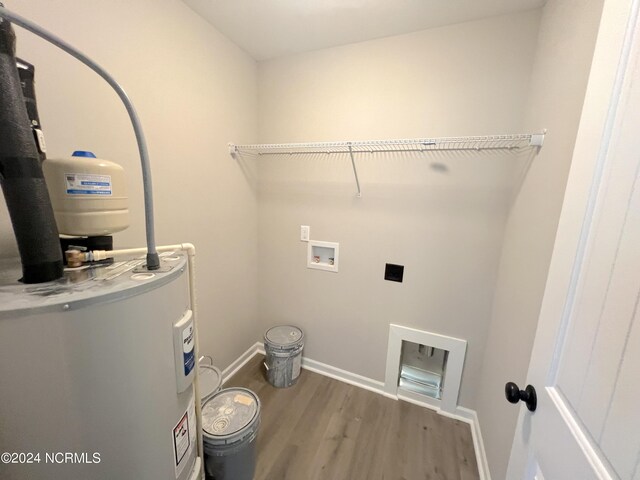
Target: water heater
{"x": 97, "y": 374}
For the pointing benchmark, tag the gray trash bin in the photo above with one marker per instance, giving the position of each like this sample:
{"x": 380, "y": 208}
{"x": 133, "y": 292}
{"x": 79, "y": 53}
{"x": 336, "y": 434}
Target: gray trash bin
{"x": 230, "y": 422}
{"x": 283, "y": 347}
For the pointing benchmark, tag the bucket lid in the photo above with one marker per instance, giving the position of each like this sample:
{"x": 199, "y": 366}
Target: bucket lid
{"x": 283, "y": 336}
{"x": 210, "y": 380}
{"x": 228, "y": 415}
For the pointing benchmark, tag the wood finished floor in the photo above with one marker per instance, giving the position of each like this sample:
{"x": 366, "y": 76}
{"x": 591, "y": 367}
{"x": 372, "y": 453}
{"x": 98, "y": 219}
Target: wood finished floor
{"x": 323, "y": 429}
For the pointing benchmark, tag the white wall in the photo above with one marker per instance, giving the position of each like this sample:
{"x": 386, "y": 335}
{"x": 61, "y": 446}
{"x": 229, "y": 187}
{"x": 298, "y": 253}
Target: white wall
{"x": 561, "y": 67}
{"x": 446, "y": 229}
{"x": 194, "y": 91}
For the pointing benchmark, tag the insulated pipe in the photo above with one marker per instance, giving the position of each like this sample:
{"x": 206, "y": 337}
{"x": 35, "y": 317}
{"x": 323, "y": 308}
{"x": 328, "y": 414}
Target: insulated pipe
{"x": 26, "y": 71}
{"x": 153, "y": 262}
{"x": 21, "y": 176}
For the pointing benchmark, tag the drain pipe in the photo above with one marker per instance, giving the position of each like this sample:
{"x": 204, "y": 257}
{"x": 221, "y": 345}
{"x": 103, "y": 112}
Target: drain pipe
{"x": 153, "y": 261}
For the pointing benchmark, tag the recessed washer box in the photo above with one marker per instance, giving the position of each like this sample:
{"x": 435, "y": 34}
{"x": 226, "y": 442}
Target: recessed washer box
{"x": 322, "y": 255}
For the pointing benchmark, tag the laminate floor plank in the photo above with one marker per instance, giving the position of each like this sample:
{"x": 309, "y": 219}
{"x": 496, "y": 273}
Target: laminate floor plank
{"x": 370, "y": 457}
{"x": 324, "y": 429}
{"x": 309, "y": 431}
{"x": 288, "y": 407}
{"x": 464, "y": 449}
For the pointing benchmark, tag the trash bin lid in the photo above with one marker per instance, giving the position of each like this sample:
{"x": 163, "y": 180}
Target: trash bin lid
{"x": 210, "y": 380}
{"x": 230, "y": 414}
{"x": 283, "y": 336}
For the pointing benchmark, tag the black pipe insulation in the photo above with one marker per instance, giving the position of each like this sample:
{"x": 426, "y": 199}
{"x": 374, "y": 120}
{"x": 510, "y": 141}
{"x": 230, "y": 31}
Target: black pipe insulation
{"x": 27, "y": 73}
{"x": 21, "y": 176}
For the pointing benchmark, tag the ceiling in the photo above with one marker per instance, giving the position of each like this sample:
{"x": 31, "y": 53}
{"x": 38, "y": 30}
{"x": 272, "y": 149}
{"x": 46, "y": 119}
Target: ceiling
{"x": 272, "y": 28}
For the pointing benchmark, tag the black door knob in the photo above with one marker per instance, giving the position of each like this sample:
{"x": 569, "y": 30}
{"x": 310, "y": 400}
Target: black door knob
{"x": 528, "y": 395}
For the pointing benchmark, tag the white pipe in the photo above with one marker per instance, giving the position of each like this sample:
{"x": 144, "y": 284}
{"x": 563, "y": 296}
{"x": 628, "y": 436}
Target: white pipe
{"x": 190, "y": 249}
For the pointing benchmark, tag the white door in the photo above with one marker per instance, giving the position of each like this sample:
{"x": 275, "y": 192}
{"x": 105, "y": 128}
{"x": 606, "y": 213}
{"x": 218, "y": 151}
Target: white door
{"x": 585, "y": 364}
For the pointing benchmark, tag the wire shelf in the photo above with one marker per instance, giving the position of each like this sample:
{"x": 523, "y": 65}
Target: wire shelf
{"x": 489, "y": 142}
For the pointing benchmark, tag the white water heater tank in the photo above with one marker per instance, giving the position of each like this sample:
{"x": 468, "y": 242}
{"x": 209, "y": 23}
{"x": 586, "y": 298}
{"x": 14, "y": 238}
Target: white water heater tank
{"x": 88, "y": 194}
{"x": 97, "y": 373}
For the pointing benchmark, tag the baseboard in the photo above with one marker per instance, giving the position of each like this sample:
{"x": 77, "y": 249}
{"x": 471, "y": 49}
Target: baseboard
{"x": 339, "y": 374}
{"x": 478, "y": 444}
{"x": 346, "y": 377}
{"x": 461, "y": 413}
{"x": 240, "y": 362}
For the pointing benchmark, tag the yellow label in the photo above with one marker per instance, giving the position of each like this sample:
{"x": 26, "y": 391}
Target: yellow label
{"x": 243, "y": 399}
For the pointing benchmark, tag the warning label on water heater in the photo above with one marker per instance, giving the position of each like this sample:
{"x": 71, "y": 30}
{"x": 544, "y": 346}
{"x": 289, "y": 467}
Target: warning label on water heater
{"x": 87, "y": 184}
{"x": 184, "y": 438}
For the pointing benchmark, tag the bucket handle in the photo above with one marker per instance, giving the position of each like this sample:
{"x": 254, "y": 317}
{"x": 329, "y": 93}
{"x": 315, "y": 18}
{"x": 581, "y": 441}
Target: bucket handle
{"x": 266, "y": 366}
{"x": 206, "y": 356}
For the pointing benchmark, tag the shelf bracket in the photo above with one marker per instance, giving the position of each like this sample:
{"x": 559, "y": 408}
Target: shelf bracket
{"x": 233, "y": 150}
{"x": 355, "y": 171}
{"x": 537, "y": 139}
